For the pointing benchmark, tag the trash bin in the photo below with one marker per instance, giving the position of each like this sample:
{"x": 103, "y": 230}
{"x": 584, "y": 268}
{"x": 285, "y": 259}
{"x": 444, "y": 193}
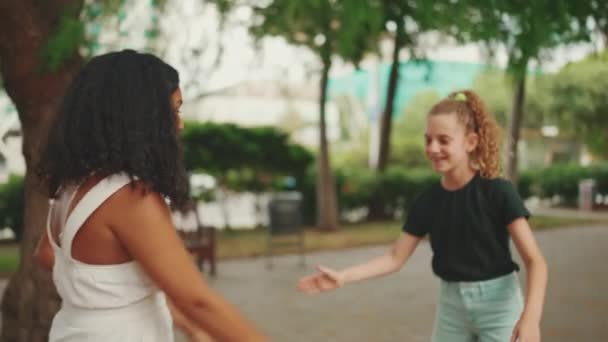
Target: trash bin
{"x": 285, "y": 218}
{"x": 586, "y": 194}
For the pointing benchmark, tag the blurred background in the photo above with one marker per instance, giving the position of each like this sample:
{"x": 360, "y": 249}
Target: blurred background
{"x": 327, "y": 98}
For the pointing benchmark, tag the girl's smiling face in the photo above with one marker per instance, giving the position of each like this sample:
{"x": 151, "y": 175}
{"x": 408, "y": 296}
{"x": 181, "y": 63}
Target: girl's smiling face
{"x": 447, "y": 144}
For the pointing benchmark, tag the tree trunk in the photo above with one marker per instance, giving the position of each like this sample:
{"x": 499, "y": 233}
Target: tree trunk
{"x": 387, "y": 115}
{"x": 515, "y": 125}
{"x": 30, "y": 300}
{"x": 327, "y": 206}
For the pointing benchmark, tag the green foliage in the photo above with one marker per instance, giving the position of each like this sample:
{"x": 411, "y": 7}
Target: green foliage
{"x": 392, "y": 190}
{"x": 562, "y": 180}
{"x": 362, "y": 188}
{"x": 9, "y": 260}
{"x": 579, "y": 101}
{"x": 407, "y": 140}
{"x": 413, "y": 121}
{"x": 412, "y": 19}
{"x": 528, "y": 28}
{"x": 71, "y": 31}
{"x": 12, "y": 205}
{"x": 526, "y": 185}
{"x": 347, "y": 28}
{"x": 243, "y": 158}
{"x": 395, "y": 189}
{"x": 356, "y": 155}
{"x": 574, "y": 99}
{"x": 537, "y": 107}
{"x": 65, "y": 42}
{"x": 328, "y": 28}
{"x": 494, "y": 87}
{"x": 152, "y": 33}
{"x": 361, "y": 25}
{"x": 79, "y": 29}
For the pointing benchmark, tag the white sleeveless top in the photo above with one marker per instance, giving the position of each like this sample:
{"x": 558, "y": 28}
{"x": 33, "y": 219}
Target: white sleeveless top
{"x": 103, "y": 302}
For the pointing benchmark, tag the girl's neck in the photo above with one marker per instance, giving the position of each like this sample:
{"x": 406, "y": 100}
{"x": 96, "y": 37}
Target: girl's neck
{"x": 457, "y": 178}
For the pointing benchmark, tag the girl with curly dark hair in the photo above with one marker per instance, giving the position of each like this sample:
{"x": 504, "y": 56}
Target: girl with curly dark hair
{"x": 112, "y": 163}
{"x": 470, "y": 215}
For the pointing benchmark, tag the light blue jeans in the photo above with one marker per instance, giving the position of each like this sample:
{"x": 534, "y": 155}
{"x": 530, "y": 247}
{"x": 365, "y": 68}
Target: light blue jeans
{"x": 484, "y": 311}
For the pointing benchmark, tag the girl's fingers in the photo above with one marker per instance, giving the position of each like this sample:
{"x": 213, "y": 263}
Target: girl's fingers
{"x": 309, "y": 284}
{"x": 514, "y": 336}
{"x": 306, "y": 283}
{"x": 328, "y": 271}
{"x": 332, "y": 275}
{"x": 327, "y": 279}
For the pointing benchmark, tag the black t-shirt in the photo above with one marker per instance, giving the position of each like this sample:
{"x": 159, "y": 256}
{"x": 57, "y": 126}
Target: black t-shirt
{"x": 468, "y": 228}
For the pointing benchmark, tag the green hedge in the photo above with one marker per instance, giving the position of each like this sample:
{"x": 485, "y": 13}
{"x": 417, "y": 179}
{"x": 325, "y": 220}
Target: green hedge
{"x": 384, "y": 195}
{"x": 562, "y": 180}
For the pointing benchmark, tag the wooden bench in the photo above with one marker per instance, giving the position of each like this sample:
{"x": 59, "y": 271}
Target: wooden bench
{"x": 200, "y": 240}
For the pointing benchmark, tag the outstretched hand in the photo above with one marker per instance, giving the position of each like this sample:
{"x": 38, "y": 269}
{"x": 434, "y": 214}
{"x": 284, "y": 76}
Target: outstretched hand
{"x": 325, "y": 279}
{"x": 526, "y": 331}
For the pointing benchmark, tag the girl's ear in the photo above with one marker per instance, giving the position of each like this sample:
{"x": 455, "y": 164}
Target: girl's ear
{"x": 471, "y": 142}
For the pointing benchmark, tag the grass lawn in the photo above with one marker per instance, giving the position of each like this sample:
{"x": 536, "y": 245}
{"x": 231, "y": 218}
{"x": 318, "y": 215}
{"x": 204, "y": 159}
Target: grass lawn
{"x": 9, "y": 259}
{"x": 252, "y": 243}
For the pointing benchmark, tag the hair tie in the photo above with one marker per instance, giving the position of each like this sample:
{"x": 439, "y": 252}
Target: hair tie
{"x": 460, "y": 97}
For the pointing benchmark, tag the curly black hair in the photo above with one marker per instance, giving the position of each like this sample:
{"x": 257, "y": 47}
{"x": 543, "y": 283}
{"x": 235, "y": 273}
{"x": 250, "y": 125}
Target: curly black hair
{"x": 117, "y": 116}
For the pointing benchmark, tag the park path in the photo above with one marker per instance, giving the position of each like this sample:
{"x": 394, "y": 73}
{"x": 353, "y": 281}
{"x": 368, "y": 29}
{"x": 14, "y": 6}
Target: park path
{"x": 401, "y": 307}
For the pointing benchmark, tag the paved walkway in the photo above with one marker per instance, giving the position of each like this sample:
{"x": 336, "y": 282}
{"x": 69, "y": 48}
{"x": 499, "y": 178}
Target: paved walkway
{"x": 597, "y": 215}
{"x": 401, "y": 307}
